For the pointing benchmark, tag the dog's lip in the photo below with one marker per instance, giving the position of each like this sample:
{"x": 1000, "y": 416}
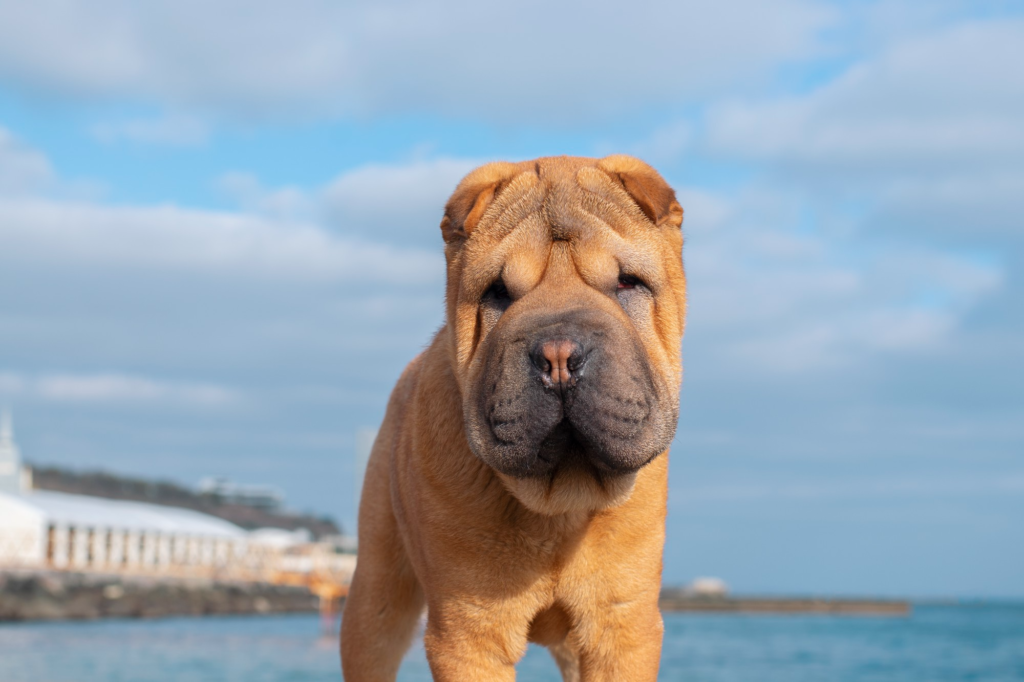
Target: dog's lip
{"x": 567, "y": 439}
{"x": 578, "y": 456}
{"x": 564, "y": 442}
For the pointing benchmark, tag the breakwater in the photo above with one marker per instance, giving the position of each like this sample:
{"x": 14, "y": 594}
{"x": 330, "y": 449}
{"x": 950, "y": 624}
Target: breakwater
{"x": 63, "y": 596}
{"x": 676, "y": 600}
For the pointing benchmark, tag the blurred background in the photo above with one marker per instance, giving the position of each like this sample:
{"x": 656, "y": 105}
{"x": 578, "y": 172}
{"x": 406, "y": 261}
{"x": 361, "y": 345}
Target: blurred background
{"x": 219, "y": 246}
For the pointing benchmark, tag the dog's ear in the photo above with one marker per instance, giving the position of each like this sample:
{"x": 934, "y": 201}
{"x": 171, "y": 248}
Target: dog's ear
{"x": 649, "y": 190}
{"x": 471, "y": 198}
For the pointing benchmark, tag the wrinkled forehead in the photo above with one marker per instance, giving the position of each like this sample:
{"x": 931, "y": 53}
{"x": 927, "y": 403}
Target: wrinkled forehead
{"x": 583, "y": 207}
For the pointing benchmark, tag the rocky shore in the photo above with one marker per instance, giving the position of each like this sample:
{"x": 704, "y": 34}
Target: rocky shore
{"x": 63, "y": 596}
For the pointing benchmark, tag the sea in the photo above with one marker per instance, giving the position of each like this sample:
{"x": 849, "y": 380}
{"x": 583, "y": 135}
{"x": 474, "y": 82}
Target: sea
{"x": 974, "y": 641}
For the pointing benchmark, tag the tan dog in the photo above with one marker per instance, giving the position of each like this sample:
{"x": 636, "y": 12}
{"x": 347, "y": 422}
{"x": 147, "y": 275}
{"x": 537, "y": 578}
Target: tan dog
{"x": 516, "y": 487}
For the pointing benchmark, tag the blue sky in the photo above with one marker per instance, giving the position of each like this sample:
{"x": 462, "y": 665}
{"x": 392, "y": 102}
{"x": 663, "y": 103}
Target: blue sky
{"x": 219, "y": 246}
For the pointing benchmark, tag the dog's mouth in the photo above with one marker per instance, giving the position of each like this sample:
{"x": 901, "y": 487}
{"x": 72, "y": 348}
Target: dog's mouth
{"x": 568, "y": 475}
{"x": 561, "y": 442}
{"x": 565, "y": 450}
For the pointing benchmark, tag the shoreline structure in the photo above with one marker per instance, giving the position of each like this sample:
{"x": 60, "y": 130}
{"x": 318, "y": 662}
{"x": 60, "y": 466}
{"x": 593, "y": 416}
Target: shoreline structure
{"x": 91, "y": 545}
{"x": 64, "y": 595}
{"x": 676, "y": 600}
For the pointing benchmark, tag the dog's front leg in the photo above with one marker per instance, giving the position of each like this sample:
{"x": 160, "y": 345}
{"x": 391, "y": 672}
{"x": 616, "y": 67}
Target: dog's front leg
{"x": 622, "y": 642}
{"x": 469, "y": 643}
{"x": 385, "y": 600}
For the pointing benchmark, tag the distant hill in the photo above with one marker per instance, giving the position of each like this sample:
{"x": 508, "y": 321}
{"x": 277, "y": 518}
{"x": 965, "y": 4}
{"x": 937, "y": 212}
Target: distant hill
{"x": 111, "y": 486}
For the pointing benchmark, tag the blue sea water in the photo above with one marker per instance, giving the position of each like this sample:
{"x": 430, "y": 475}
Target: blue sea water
{"x": 935, "y": 643}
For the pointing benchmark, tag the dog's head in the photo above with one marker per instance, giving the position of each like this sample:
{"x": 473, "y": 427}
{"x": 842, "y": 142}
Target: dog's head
{"x": 566, "y": 301}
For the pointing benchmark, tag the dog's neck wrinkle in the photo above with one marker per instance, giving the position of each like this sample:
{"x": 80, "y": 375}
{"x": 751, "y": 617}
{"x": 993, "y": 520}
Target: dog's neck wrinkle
{"x": 555, "y": 535}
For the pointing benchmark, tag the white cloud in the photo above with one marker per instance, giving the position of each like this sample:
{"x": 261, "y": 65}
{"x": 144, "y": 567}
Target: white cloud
{"x": 399, "y": 203}
{"x": 961, "y": 202}
{"x": 176, "y": 130}
{"x": 840, "y": 340}
{"x": 377, "y": 223}
{"x": 532, "y": 60}
{"x": 776, "y": 298}
{"x": 287, "y": 203}
{"x": 406, "y": 199}
{"x": 10, "y": 383}
{"x": 106, "y": 388}
{"x": 22, "y": 169}
{"x": 184, "y": 240}
{"x": 948, "y": 98}
{"x": 812, "y": 268}
{"x": 924, "y": 137}
{"x": 206, "y": 292}
{"x": 667, "y": 143}
{"x": 899, "y": 488}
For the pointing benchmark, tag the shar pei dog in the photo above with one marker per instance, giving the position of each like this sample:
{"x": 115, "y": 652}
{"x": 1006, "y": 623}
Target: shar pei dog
{"x": 517, "y": 488}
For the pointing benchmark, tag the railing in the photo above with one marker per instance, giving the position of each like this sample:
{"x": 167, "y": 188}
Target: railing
{"x": 161, "y": 555}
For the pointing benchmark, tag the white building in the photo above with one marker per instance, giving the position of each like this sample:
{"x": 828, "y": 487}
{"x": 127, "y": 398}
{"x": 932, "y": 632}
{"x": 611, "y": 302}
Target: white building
{"x": 708, "y": 587}
{"x": 43, "y": 529}
{"x": 46, "y": 529}
{"x": 58, "y": 530}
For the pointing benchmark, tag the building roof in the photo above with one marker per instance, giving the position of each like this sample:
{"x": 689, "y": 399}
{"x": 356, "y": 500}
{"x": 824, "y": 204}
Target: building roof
{"x": 98, "y": 512}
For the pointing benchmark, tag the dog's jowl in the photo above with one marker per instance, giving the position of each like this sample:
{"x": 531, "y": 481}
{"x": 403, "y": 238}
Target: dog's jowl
{"x": 517, "y": 488}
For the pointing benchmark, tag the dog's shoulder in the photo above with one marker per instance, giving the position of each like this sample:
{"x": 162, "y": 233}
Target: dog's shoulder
{"x": 405, "y": 387}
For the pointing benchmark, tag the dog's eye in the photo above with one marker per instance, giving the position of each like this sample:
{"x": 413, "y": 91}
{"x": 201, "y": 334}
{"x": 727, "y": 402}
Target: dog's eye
{"x": 497, "y": 295}
{"x": 629, "y": 282}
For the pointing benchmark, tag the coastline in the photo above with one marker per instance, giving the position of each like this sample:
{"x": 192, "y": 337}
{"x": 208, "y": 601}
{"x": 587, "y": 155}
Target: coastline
{"x": 59, "y": 595}
{"x": 35, "y": 595}
{"x": 677, "y": 601}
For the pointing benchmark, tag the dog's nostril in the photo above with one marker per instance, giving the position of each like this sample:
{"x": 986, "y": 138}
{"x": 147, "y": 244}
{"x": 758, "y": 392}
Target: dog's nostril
{"x": 557, "y": 360}
{"x": 575, "y": 361}
{"x": 538, "y": 359}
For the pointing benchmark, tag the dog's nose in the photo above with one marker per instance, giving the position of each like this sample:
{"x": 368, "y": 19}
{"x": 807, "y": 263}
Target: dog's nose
{"x": 558, "y": 360}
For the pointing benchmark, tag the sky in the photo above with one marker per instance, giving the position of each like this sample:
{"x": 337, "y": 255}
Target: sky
{"x": 219, "y": 246}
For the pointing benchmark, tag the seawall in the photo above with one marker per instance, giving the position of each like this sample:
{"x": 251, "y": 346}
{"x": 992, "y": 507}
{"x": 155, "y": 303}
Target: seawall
{"x": 64, "y": 596}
